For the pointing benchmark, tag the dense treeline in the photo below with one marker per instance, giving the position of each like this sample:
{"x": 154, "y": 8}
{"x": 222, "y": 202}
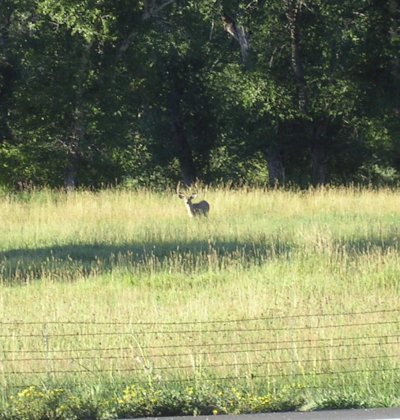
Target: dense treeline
{"x": 97, "y": 92}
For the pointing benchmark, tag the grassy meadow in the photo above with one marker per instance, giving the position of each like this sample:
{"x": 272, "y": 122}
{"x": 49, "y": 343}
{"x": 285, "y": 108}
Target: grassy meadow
{"x": 117, "y": 303}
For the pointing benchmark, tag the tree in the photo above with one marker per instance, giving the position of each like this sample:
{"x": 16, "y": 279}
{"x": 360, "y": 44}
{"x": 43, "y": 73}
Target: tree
{"x": 296, "y": 91}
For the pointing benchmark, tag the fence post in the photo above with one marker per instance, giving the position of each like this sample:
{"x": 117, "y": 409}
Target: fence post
{"x": 46, "y": 344}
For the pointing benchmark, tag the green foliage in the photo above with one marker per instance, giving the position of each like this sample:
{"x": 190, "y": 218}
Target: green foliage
{"x": 88, "y": 18}
{"x": 86, "y": 86}
{"x": 34, "y": 403}
{"x": 208, "y": 398}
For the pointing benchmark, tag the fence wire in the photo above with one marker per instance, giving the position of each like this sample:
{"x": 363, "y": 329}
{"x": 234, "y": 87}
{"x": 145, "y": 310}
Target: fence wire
{"x": 215, "y": 321}
{"x": 332, "y": 345}
{"x": 208, "y": 331}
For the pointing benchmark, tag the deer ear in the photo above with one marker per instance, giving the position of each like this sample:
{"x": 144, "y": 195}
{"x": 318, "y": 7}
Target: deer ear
{"x": 180, "y": 195}
{"x": 193, "y": 196}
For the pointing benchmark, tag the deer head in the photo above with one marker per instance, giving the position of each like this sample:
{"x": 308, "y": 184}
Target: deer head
{"x": 194, "y": 209}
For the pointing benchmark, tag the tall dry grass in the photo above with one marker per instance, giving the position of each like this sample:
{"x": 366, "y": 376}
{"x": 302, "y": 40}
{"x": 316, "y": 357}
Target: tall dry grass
{"x": 135, "y": 261}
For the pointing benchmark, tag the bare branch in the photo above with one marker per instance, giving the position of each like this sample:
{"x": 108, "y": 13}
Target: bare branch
{"x": 211, "y": 30}
{"x": 153, "y": 10}
{"x": 126, "y": 43}
{"x": 239, "y": 34}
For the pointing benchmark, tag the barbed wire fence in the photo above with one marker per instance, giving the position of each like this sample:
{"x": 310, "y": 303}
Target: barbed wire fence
{"x": 314, "y": 350}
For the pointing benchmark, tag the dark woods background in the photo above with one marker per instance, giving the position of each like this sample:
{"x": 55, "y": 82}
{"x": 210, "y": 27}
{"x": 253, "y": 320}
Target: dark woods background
{"x": 143, "y": 93}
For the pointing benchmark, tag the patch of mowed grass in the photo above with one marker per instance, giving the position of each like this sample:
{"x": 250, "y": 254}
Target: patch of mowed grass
{"x": 132, "y": 258}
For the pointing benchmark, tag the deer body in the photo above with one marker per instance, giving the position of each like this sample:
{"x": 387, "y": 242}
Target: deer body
{"x": 194, "y": 209}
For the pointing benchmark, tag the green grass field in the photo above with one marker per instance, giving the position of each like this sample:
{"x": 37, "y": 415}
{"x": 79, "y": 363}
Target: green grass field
{"x": 118, "y": 303}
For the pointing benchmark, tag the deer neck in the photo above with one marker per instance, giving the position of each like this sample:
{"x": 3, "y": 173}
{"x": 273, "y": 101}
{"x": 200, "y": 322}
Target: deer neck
{"x": 189, "y": 208}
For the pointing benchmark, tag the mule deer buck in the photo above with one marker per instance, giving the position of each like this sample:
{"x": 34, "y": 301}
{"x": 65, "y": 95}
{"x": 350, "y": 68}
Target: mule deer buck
{"x": 194, "y": 209}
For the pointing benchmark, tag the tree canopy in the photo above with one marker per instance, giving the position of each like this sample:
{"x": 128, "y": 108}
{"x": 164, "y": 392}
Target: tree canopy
{"x": 148, "y": 92}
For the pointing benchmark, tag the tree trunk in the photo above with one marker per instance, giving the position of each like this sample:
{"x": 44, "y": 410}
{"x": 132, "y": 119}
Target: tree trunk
{"x": 239, "y": 33}
{"x": 319, "y": 168}
{"x": 76, "y": 139}
{"x": 74, "y": 143}
{"x": 273, "y": 155}
{"x": 293, "y": 15}
{"x": 70, "y": 176}
{"x": 276, "y": 170}
{"x": 394, "y": 33}
{"x": 318, "y": 164}
{"x": 7, "y": 74}
{"x": 317, "y": 146}
{"x": 181, "y": 145}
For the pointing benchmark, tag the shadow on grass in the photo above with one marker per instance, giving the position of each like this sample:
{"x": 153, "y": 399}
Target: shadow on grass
{"x": 68, "y": 262}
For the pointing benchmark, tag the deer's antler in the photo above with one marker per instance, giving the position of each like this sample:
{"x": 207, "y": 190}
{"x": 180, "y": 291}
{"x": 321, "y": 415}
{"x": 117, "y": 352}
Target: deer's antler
{"x": 178, "y": 188}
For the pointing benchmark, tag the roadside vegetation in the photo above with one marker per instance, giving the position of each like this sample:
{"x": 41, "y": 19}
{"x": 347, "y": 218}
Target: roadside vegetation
{"x": 116, "y": 304}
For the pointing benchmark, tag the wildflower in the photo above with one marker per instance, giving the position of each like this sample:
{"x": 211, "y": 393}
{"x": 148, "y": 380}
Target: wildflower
{"x": 215, "y": 412}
